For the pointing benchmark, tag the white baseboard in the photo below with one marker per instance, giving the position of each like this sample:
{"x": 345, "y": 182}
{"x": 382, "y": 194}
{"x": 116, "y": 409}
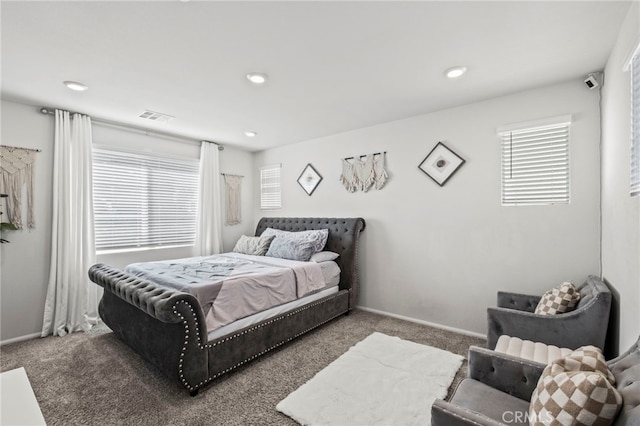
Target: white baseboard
{"x": 430, "y": 324}
{"x": 19, "y": 339}
{"x": 375, "y": 311}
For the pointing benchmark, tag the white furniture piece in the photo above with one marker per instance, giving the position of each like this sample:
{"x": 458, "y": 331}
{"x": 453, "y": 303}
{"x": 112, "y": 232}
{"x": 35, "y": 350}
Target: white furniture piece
{"x": 533, "y": 351}
{"x": 18, "y": 404}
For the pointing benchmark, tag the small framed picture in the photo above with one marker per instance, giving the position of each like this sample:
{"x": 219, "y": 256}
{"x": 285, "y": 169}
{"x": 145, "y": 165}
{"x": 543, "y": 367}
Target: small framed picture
{"x": 441, "y": 163}
{"x": 309, "y": 179}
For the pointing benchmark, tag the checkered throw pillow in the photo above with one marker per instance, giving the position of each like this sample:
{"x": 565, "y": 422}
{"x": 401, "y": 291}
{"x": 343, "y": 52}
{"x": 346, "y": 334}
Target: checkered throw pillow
{"x": 585, "y": 358}
{"x": 577, "y": 389}
{"x": 559, "y": 300}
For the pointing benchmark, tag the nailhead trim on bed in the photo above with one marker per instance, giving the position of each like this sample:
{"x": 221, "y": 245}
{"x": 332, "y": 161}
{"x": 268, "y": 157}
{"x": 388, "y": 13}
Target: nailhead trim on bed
{"x": 229, "y": 338}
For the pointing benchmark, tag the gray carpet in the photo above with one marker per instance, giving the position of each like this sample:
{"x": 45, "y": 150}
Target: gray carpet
{"x": 95, "y": 379}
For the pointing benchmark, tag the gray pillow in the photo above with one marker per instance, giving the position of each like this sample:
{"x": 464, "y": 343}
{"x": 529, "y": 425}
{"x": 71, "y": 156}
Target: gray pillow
{"x": 256, "y": 246}
{"x": 286, "y": 247}
{"x": 316, "y": 237}
{"x": 324, "y": 256}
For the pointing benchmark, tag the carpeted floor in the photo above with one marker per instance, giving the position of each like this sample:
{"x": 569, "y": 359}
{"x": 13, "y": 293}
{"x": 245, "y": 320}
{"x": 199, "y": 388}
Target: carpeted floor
{"x": 95, "y": 379}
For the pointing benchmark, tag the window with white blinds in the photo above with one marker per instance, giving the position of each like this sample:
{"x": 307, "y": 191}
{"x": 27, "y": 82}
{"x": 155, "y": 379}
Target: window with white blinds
{"x": 635, "y": 123}
{"x": 535, "y": 163}
{"x": 143, "y": 201}
{"x": 270, "y": 195}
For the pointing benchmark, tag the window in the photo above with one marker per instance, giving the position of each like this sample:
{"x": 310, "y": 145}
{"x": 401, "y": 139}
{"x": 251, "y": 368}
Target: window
{"x": 143, "y": 201}
{"x": 635, "y": 124}
{"x": 270, "y": 195}
{"x": 535, "y": 162}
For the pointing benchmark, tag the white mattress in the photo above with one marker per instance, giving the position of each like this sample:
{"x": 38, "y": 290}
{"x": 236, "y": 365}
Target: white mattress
{"x": 270, "y": 313}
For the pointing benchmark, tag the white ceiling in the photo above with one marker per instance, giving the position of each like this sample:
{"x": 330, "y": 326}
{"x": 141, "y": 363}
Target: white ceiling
{"x": 333, "y": 66}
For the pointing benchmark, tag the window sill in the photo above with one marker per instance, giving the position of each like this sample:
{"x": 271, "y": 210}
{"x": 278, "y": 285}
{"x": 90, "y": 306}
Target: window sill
{"x": 138, "y": 249}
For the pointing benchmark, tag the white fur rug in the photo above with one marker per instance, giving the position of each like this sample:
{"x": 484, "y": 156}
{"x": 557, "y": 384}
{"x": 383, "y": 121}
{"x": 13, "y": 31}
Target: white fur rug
{"x": 382, "y": 380}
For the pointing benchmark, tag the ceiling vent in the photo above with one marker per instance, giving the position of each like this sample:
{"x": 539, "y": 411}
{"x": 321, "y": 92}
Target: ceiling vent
{"x": 156, "y": 116}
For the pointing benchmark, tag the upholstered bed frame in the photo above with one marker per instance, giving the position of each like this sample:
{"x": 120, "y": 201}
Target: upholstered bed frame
{"x": 167, "y": 327}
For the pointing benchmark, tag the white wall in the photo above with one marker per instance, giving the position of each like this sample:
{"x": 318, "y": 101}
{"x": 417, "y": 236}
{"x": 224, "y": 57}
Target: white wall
{"x": 620, "y": 212}
{"x": 25, "y": 261}
{"x": 429, "y": 253}
{"x": 440, "y": 254}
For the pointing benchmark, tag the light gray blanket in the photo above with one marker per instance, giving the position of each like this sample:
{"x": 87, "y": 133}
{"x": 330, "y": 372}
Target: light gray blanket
{"x": 232, "y": 285}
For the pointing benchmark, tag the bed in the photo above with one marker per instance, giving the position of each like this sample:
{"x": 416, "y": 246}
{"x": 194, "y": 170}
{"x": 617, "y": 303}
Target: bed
{"x": 167, "y": 327}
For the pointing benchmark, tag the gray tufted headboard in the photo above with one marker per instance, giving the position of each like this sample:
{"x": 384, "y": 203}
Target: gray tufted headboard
{"x": 343, "y": 239}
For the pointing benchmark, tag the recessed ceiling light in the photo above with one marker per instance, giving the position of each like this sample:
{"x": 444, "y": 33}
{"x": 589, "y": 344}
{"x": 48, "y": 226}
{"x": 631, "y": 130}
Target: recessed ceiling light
{"x": 455, "y": 72}
{"x": 74, "y": 85}
{"x": 257, "y": 77}
{"x": 250, "y": 134}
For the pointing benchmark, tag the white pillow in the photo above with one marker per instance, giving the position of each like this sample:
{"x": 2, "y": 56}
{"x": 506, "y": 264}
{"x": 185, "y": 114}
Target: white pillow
{"x": 324, "y": 256}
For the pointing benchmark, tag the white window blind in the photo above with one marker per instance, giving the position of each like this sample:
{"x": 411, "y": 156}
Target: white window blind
{"x": 635, "y": 124}
{"x": 270, "y": 195}
{"x": 535, "y": 163}
{"x": 143, "y": 201}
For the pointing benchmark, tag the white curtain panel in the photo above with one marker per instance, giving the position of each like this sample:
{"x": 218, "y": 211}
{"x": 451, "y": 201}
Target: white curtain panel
{"x": 72, "y": 300}
{"x": 209, "y": 216}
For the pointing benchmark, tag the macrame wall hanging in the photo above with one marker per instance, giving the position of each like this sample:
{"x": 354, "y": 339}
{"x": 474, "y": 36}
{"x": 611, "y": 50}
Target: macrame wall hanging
{"x": 18, "y": 166}
{"x": 233, "y": 197}
{"x": 363, "y": 174}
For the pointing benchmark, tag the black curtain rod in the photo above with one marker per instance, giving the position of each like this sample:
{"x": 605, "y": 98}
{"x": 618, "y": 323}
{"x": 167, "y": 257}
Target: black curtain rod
{"x": 20, "y": 147}
{"x": 364, "y": 155}
{"x": 51, "y": 111}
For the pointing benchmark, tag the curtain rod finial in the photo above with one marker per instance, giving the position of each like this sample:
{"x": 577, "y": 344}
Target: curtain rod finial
{"x": 220, "y": 147}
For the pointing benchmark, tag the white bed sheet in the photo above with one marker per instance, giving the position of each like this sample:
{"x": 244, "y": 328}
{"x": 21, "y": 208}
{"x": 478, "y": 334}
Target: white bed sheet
{"x": 231, "y": 286}
{"x": 330, "y": 273}
{"x": 270, "y": 313}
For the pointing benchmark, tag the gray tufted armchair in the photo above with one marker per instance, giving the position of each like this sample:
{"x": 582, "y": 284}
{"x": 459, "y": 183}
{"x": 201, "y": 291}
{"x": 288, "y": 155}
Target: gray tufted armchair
{"x": 498, "y": 390}
{"x": 585, "y": 325}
